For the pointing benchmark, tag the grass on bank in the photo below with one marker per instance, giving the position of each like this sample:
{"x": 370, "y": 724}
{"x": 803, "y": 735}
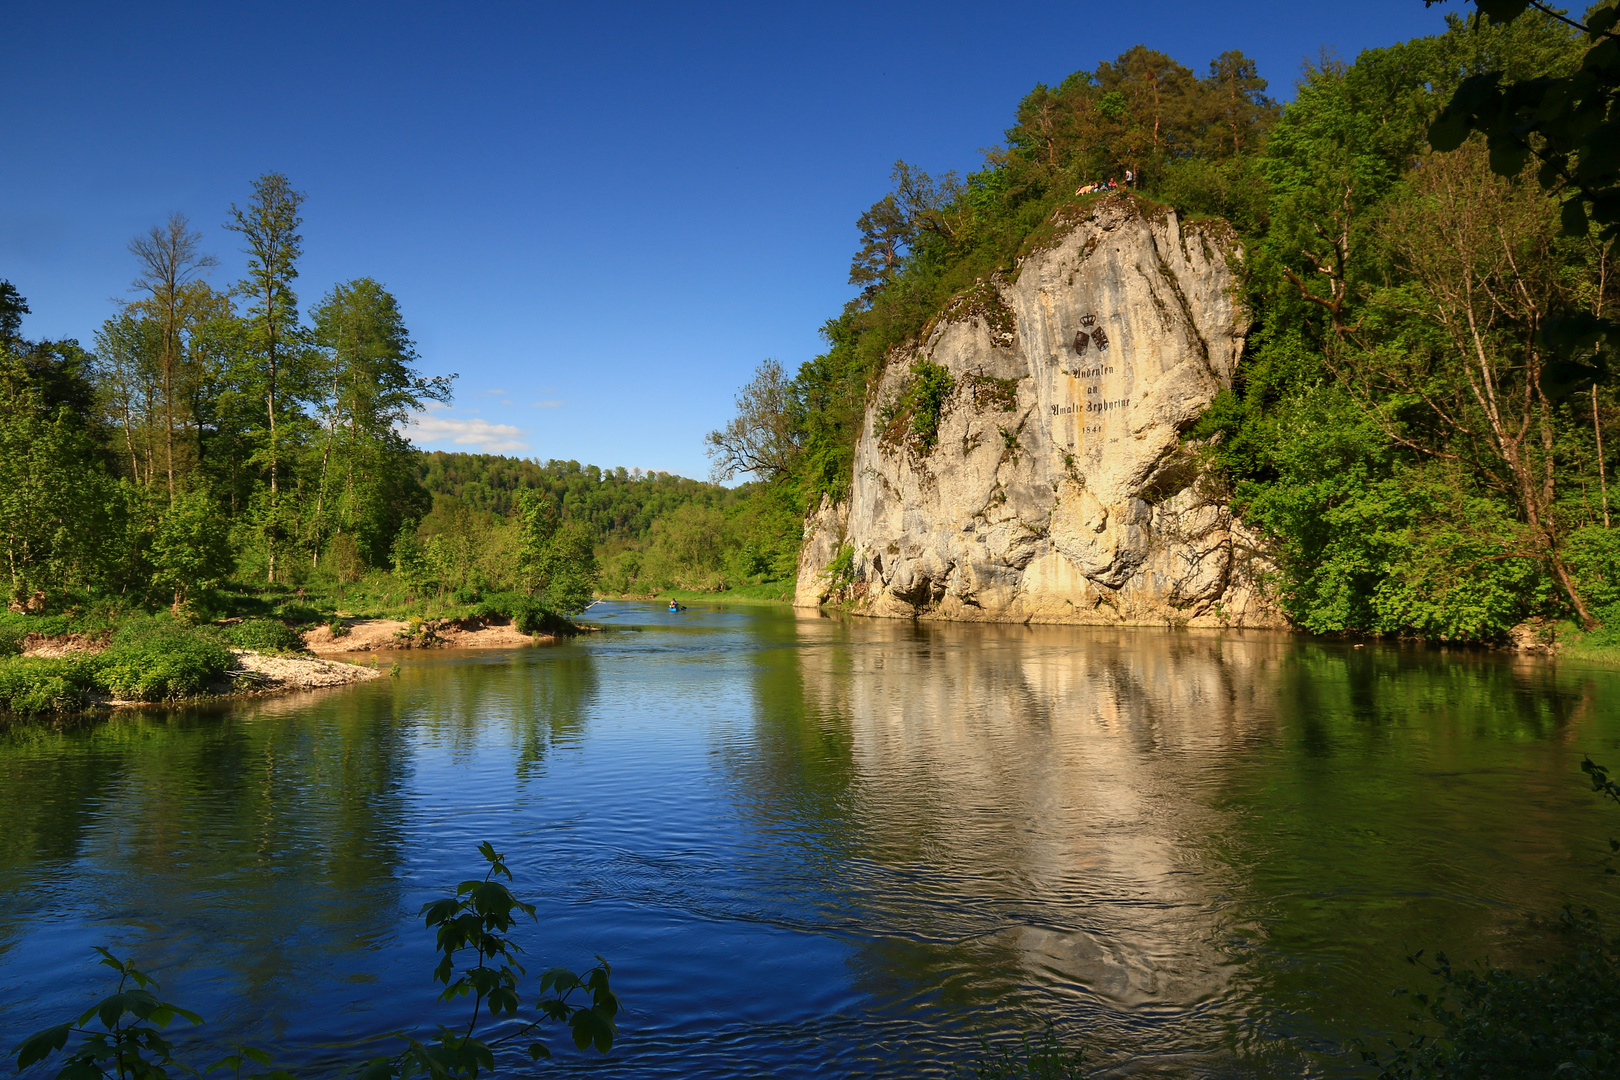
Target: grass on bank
{"x": 1600, "y": 646}
{"x": 157, "y": 657}
{"x": 149, "y": 658}
{"x": 763, "y": 593}
{"x": 146, "y": 658}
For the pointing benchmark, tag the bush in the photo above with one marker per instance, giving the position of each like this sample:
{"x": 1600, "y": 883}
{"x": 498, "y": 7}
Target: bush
{"x": 34, "y": 684}
{"x": 913, "y": 417}
{"x": 298, "y": 614}
{"x": 1488, "y": 1022}
{"x": 265, "y": 636}
{"x": 14, "y": 628}
{"x": 157, "y": 659}
{"x": 1045, "y": 1058}
{"x": 131, "y": 1041}
{"x": 531, "y": 618}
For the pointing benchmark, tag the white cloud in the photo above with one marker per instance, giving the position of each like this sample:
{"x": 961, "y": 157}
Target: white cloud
{"x": 546, "y": 404}
{"x": 494, "y": 391}
{"x": 475, "y": 432}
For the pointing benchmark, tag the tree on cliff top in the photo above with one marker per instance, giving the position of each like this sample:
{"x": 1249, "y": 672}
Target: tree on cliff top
{"x": 763, "y": 438}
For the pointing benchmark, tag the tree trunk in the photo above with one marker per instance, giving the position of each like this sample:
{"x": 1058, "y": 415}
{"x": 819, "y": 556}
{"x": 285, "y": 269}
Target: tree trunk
{"x": 1603, "y": 480}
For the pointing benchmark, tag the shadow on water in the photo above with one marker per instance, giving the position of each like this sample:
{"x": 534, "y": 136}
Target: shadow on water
{"x": 817, "y": 845}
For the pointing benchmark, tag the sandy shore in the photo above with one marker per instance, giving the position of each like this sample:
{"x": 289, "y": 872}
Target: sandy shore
{"x": 250, "y": 673}
{"x": 254, "y": 674}
{"x": 377, "y": 635}
{"x": 259, "y": 674}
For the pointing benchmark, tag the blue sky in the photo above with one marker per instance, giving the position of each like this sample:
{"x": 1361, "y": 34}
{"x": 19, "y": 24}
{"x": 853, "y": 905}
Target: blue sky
{"x": 601, "y": 216}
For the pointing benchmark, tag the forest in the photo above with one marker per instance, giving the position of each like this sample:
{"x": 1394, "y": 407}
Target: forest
{"x": 218, "y": 449}
{"x": 1422, "y": 424}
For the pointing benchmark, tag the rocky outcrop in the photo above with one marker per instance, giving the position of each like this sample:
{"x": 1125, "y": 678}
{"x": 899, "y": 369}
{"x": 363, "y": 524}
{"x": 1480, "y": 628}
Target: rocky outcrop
{"x": 1026, "y": 461}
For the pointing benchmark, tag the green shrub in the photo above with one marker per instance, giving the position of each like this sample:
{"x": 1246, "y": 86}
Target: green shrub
{"x": 841, "y": 571}
{"x": 1485, "y": 1022}
{"x": 265, "y": 636}
{"x": 1489, "y": 1022}
{"x": 156, "y": 658}
{"x": 35, "y": 684}
{"x": 913, "y": 417}
{"x": 298, "y": 614}
{"x": 15, "y": 627}
{"x": 1045, "y": 1058}
{"x": 531, "y": 618}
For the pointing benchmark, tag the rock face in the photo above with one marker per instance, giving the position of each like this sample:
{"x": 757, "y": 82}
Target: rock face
{"x": 1054, "y": 486}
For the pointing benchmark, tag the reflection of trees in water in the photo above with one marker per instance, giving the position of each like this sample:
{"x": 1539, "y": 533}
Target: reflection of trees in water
{"x": 539, "y": 703}
{"x": 239, "y": 847}
{"x": 1410, "y": 799}
{"x": 1210, "y": 827}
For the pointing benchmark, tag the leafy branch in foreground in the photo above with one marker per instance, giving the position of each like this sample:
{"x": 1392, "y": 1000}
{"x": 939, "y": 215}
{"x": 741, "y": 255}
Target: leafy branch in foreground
{"x": 129, "y": 1043}
{"x": 478, "y": 917}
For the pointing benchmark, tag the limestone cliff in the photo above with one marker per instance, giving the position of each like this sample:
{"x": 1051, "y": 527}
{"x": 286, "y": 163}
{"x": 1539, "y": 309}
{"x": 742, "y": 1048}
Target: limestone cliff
{"x": 1025, "y": 461}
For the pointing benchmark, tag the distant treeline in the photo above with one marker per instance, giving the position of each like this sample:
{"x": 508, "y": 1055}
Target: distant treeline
{"x": 653, "y": 530}
{"x": 1422, "y": 425}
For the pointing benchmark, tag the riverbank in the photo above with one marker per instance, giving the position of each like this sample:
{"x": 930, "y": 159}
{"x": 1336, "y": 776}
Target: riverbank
{"x": 260, "y": 673}
{"x": 57, "y": 664}
{"x": 383, "y": 635}
{"x": 70, "y": 674}
{"x": 771, "y": 593}
{"x": 149, "y": 659}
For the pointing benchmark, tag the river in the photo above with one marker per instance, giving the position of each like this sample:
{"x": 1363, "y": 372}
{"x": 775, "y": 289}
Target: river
{"x": 818, "y": 846}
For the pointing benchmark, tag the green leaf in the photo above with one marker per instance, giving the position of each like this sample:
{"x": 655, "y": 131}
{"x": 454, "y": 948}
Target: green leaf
{"x": 1573, "y": 217}
{"x": 42, "y": 1044}
{"x": 1508, "y": 155}
{"x": 187, "y": 1014}
{"x": 1600, "y": 157}
{"x": 1501, "y": 11}
{"x": 376, "y": 1069}
{"x": 438, "y": 911}
{"x": 1449, "y": 131}
{"x": 558, "y": 978}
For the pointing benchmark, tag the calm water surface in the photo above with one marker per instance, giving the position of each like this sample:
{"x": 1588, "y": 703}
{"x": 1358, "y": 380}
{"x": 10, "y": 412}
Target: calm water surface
{"x": 813, "y": 846}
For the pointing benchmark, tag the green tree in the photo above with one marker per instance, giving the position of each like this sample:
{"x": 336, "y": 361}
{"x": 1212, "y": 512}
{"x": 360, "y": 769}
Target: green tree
{"x": 762, "y": 438}
{"x": 60, "y": 509}
{"x": 275, "y": 343}
{"x": 191, "y": 551}
{"x": 1234, "y": 105}
{"x": 12, "y": 308}
{"x": 556, "y": 559}
{"x": 170, "y": 258}
{"x": 368, "y": 387}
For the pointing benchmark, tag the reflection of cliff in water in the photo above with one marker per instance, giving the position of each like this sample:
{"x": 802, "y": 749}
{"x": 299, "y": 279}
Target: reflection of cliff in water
{"x": 1076, "y": 816}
